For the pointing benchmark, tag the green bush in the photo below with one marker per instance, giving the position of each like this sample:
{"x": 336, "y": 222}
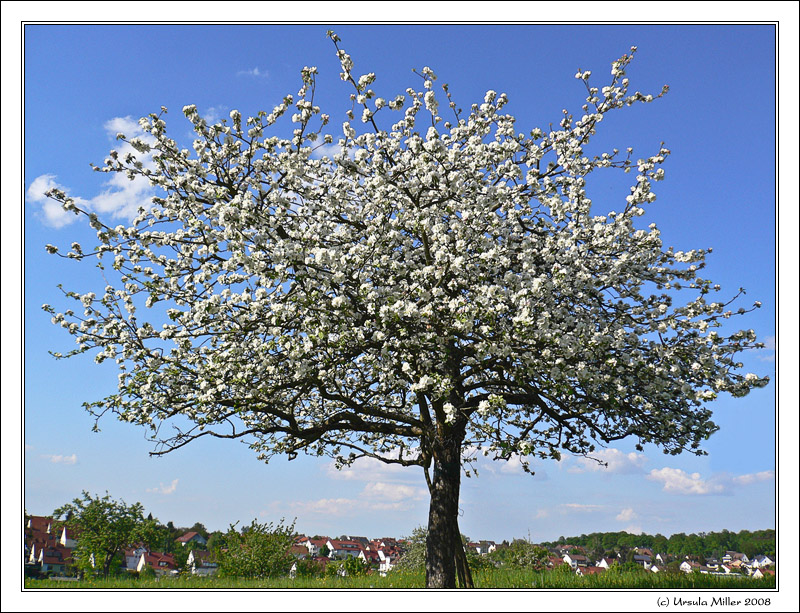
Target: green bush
{"x": 147, "y": 572}
{"x": 355, "y": 567}
{"x": 309, "y": 568}
{"x": 258, "y": 550}
{"x": 334, "y": 569}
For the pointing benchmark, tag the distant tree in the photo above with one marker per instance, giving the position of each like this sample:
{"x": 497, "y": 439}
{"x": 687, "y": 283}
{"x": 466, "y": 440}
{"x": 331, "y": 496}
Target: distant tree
{"x": 523, "y": 553}
{"x": 181, "y": 553}
{"x": 625, "y": 568}
{"x": 104, "y": 527}
{"x": 215, "y": 540}
{"x": 752, "y": 549}
{"x": 324, "y": 551}
{"x": 200, "y": 529}
{"x": 413, "y": 557}
{"x": 439, "y": 287}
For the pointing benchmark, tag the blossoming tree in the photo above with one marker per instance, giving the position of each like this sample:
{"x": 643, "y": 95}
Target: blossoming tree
{"x": 438, "y": 289}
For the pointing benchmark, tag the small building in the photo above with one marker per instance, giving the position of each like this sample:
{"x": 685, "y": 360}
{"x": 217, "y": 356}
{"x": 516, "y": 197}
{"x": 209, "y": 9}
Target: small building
{"x": 191, "y": 537}
{"x": 575, "y": 560}
{"x": 341, "y": 549}
{"x": 161, "y": 563}
{"x": 201, "y": 563}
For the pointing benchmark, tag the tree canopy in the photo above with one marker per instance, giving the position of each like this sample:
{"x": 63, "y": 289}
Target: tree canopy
{"x": 104, "y": 527}
{"x": 442, "y": 286}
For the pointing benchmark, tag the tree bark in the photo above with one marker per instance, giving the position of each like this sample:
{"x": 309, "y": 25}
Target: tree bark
{"x": 444, "y": 540}
{"x": 462, "y": 564}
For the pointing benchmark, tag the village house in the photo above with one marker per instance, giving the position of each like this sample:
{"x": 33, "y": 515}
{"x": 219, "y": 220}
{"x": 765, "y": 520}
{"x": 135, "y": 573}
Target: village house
{"x": 299, "y": 552}
{"x": 54, "y": 559}
{"x": 313, "y": 545}
{"x": 734, "y": 556}
{"x": 161, "y": 563}
{"x": 191, "y": 537}
{"x": 340, "y": 549}
{"x": 131, "y": 557}
{"x": 200, "y": 563}
{"x": 370, "y": 557}
{"x": 642, "y": 560}
{"x": 575, "y": 560}
{"x": 68, "y": 538}
{"x": 363, "y": 541}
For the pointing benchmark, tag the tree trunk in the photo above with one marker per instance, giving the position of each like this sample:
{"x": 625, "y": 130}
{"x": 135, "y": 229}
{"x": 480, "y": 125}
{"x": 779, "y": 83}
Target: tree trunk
{"x": 444, "y": 540}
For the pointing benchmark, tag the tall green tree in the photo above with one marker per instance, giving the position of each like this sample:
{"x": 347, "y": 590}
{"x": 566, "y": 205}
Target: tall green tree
{"x": 104, "y": 527}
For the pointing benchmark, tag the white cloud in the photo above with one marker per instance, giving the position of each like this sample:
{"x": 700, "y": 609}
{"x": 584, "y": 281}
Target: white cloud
{"x": 51, "y": 212}
{"x": 375, "y": 496}
{"x": 122, "y": 197}
{"x": 330, "y": 150}
{"x": 164, "y": 489}
{"x": 611, "y": 461}
{"x": 324, "y": 506}
{"x": 512, "y": 466}
{"x": 581, "y": 508}
{"x": 626, "y": 515}
{"x": 765, "y": 475}
{"x": 767, "y": 354}
{"x": 214, "y": 114}
{"x": 62, "y": 459}
{"x": 678, "y": 481}
{"x": 370, "y": 469}
{"x": 253, "y": 72}
{"x": 393, "y": 492}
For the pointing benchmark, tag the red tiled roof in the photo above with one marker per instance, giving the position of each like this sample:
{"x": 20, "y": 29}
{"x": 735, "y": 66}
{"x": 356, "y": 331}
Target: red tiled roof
{"x": 160, "y": 560}
{"x": 187, "y": 537}
{"x": 38, "y": 523}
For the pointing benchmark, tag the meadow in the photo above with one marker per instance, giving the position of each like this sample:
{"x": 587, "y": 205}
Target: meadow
{"x": 501, "y": 579}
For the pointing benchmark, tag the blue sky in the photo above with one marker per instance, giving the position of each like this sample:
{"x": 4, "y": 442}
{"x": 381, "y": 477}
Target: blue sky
{"x": 83, "y": 82}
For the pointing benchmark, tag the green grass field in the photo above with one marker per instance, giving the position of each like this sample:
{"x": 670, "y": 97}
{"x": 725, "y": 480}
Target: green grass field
{"x": 492, "y": 579}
